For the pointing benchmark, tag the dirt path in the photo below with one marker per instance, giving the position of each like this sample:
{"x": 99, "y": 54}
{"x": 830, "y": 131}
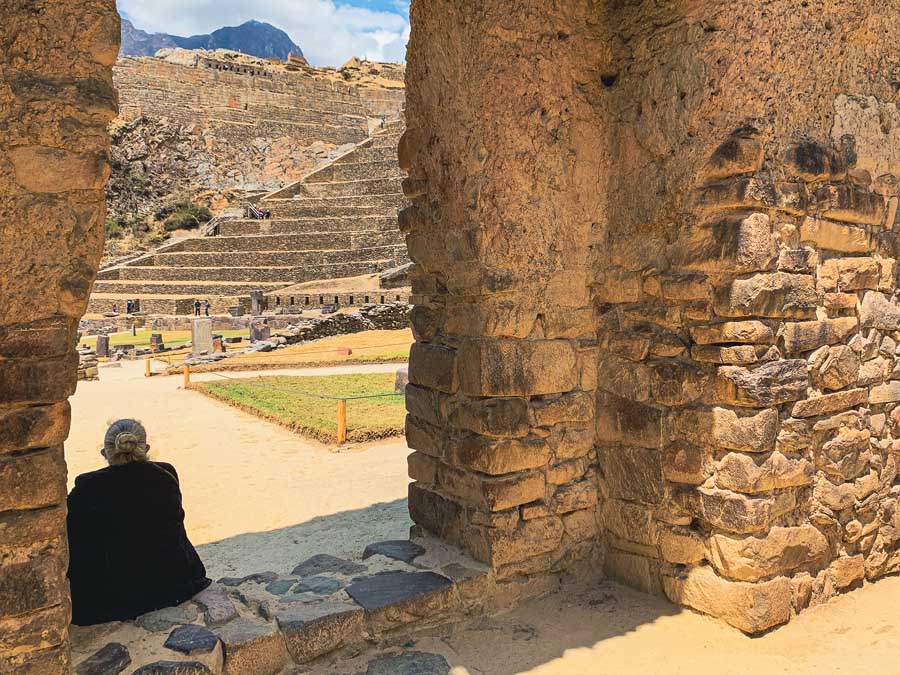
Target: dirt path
{"x": 256, "y": 495}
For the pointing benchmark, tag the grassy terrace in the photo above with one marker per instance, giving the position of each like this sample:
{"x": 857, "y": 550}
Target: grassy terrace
{"x": 280, "y": 400}
{"x": 171, "y": 338}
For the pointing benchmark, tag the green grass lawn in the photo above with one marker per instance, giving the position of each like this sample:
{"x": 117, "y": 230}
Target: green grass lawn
{"x": 171, "y": 338}
{"x": 280, "y": 400}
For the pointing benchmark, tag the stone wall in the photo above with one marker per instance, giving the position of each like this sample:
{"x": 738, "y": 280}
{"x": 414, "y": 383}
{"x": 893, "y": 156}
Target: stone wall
{"x": 56, "y": 100}
{"x": 702, "y": 404}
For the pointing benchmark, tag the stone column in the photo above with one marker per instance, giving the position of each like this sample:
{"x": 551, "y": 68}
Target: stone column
{"x": 503, "y": 149}
{"x": 56, "y": 99}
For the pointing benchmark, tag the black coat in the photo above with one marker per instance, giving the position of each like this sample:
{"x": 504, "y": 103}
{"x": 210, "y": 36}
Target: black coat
{"x": 128, "y": 551}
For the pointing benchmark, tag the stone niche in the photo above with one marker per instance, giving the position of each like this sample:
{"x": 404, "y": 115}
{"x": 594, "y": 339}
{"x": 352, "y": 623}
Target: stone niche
{"x": 655, "y": 266}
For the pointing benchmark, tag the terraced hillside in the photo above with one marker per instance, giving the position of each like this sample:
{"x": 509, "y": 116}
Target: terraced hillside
{"x": 338, "y": 221}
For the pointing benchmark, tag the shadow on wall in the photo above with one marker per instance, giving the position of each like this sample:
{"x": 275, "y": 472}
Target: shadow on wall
{"x": 344, "y": 534}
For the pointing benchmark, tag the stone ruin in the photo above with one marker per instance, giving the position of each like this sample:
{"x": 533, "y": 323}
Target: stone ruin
{"x": 654, "y": 282}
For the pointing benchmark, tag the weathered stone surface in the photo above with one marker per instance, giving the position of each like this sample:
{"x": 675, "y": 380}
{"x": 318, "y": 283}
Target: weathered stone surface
{"x": 885, "y": 393}
{"x": 218, "y": 607}
{"x": 498, "y": 417}
{"x": 777, "y": 294}
{"x": 686, "y": 463}
{"x": 846, "y": 571}
{"x": 850, "y": 274}
{"x": 32, "y": 585}
{"x": 280, "y": 586}
{"x": 840, "y": 368}
{"x": 34, "y": 427}
{"x": 681, "y": 546}
{"x": 879, "y": 311}
{"x": 409, "y": 663}
{"x": 628, "y": 521}
{"x": 433, "y": 366}
{"x": 633, "y": 473}
{"x": 756, "y": 557}
{"x": 734, "y": 156}
{"x": 325, "y": 564}
{"x": 516, "y": 367}
{"x": 830, "y": 403}
{"x": 812, "y": 161}
{"x": 729, "y": 510}
{"x": 318, "y": 585}
{"x": 637, "y": 571}
{"x": 496, "y": 457}
{"x": 834, "y": 236}
{"x": 390, "y": 588}
{"x": 313, "y": 630}
{"x": 750, "y": 332}
{"x": 403, "y": 550}
{"x": 739, "y": 430}
{"x": 734, "y": 243}
{"x": 741, "y": 473}
{"x": 256, "y": 578}
{"x": 769, "y": 384}
{"x": 529, "y": 539}
{"x": 804, "y": 336}
{"x": 192, "y": 639}
{"x": 252, "y": 648}
{"x": 736, "y": 355}
{"x": 752, "y": 608}
{"x": 164, "y": 619}
{"x": 110, "y": 660}
{"x": 174, "y": 668}
{"x": 33, "y": 480}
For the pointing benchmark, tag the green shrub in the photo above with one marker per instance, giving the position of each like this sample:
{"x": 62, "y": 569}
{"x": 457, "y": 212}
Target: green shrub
{"x": 113, "y": 228}
{"x": 183, "y": 215}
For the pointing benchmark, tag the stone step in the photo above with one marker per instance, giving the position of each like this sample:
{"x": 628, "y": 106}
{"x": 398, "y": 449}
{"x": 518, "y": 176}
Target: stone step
{"x": 383, "y": 223}
{"x": 358, "y": 171}
{"x": 369, "y": 154}
{"x": 201, "y": 288}
{"x": 283, "y": 274}
{"x": 311, "y": 241}
{"x": 352, "y": 188}
{"x": 278, "y": 258}
{"x": 335, "y": 206}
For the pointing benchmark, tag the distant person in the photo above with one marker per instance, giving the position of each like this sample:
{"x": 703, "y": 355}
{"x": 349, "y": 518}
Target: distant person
{"x": 206, "y": 306}
{"x": 128, "y": 551}
{"x": 196, "y": 307}
{"x": 129, "y": 307}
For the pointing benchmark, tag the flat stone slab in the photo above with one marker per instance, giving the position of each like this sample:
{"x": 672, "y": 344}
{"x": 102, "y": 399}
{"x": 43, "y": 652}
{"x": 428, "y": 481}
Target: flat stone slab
{"x": 258, "y": 578}
{"x": 252, "y": 648}
{"x": 396, "y": 549}
{"x": 409, "y": 663}
{"x": 218, "y": 607}
{"x": 319, "y": 585}
{"x": 389, "y": 588}
{"x": 192, "y": 639}
{"x": 313, "y": 630}
{"x": 173, "y": 668}
{"x": 281, "y": 586}
{"x": 165, "y": 619}
{"x": 110, "y": 660}
{"x": 323, "y": 563}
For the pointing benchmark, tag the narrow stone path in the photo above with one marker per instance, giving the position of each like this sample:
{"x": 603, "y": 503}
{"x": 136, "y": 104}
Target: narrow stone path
{"x": 256, "y": 495}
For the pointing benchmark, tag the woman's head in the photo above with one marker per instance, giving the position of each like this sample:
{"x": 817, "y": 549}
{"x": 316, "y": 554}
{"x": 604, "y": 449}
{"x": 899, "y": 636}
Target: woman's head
{"x": 125, "y": 442}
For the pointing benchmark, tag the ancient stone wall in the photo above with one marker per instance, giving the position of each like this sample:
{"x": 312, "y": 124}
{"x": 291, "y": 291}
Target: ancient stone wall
{"x": 56, "y": 100}
{"x": 705, "y": 391}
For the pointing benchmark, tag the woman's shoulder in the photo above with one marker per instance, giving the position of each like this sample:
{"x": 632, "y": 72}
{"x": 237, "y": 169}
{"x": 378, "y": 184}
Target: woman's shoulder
{"x": 168, "y": 468}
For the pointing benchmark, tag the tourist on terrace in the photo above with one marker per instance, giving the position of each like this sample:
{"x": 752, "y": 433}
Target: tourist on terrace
{"x": 128, "y": 551}
{"x": 206, "y": 306}
{"x": 196, "y": 308}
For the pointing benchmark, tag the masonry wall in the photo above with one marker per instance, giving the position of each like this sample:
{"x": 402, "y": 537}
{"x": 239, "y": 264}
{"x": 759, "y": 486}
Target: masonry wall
{"x": 703, "y": 403}
{"x": 241, "y": 104}
{"x": 56, "y": 100}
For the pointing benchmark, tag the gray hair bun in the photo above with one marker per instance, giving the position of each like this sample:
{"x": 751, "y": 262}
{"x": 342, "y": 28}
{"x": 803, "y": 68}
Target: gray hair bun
{"x": 125, "y": 442}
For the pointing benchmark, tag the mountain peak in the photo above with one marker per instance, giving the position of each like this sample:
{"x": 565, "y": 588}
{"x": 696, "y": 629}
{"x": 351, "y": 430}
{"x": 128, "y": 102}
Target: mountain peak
{"x": 252, "y": 37}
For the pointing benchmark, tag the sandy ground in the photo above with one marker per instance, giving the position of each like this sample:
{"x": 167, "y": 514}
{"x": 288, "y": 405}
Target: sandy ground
{"x": 257, "y": 496}
{"x": 613, "y": 630}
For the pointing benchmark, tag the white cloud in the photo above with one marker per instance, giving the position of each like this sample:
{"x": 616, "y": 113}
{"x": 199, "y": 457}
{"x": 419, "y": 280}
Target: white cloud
{"x": 328, "y": 32}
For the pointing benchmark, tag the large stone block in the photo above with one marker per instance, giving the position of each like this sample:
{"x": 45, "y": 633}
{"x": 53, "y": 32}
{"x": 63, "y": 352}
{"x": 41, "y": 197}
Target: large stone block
{"x": 21, "y": 528}
{"x": 804, "y": 336}
{"x": 42, "y": 629}
{"x": 737, "y": 155}
{"x": 628, "y": 521}
{"x": 36, "y": 584}
{"x": 725, "y": 428}
{"x": 847, "y": 203}
{"x": 252, "y": 648}
{"x": 435, "y": 513}
{"x": 752, "y": 608}
{"x": 728, "y": 332}
{"x": 44, "y": 338}
{"x": 635, "y": 474}
{"x": 683, "y": 462}
{"x": 834, "y": 236}
{"x": 830, "y": 403}
{"x": 497, "y": 417}
{"x": 732, "y": 511}
{"x": 741, "y": 473}
{"x": 34, "y": 427}
{"x": 424, "y": 437}
{"x": 516, "y": 367}
{"x": 313, "y": 630}
{"x": 778, "y": 294}
{"x": 770, "y": 384}
{"x": 498, "y": 456}
{"x": 780, "y": 550}
{"x": 633, "y": 570}
{"x": 530, "y": 539}
{"x": 854, "y": 274}
{"x": 433, "y": 366}
{"x": 33, "y": 480}
{"x": 577, "y": 406}
{"x": 879, "y": 311}
{"x": 621, "y": 420}
{"x": 36, "y": 382}
{"x": 733, "y": 243}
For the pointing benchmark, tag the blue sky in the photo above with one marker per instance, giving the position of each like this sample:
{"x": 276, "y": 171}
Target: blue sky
{"x": 328, "y": 31}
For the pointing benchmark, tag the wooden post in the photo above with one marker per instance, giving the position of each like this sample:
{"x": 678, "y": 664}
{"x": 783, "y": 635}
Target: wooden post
{"x": 147, "y": 367}
{"x": 342, "y": 422}
{"x": 187, "y": 376}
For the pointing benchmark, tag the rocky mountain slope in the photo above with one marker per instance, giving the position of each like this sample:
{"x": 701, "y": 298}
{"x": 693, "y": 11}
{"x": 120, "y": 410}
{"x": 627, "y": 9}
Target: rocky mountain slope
{"x": 253, "y": 37}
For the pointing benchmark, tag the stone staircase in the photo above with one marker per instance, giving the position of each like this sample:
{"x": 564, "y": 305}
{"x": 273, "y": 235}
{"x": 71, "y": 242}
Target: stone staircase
{"x": 338, "y": 221}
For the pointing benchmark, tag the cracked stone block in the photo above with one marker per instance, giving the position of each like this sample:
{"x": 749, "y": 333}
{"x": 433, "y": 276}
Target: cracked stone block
{"x": 319, "y": 585}
{"x": 252, "y": 648}
{"x": 404, "y": 551}
{"x": 173, "y": 668}
{"x": 323, "y": 563}
{"x": 409, "y": 663}
{"x": 110, "y": 660}
{"x": 164, "y": 619}
{"x": 389, "y": 588}
{"x": 257, "y": 578}
{"x": 218, "y": 607}
{"x": 281, "y": 586}
{"x": 313, "y": 630}
{"x": 191, "y": 640}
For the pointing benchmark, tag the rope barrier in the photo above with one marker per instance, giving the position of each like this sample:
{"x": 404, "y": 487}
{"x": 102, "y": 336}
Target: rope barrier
{"x": 249, "y": 382}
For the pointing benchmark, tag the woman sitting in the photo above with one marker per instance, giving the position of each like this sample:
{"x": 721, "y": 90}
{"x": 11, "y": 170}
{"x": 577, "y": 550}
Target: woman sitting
{"x": 128, "y": 551}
